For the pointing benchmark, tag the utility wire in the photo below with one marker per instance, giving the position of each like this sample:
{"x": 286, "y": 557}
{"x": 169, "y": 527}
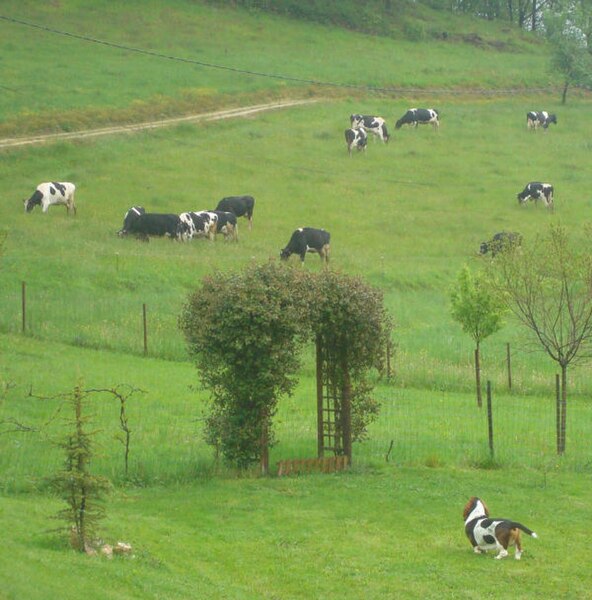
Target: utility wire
{"x": 336, "y": 84}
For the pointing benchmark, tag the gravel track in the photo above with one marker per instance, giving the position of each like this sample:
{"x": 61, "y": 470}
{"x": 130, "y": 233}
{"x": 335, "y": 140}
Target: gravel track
{"x": 210, "y": 116}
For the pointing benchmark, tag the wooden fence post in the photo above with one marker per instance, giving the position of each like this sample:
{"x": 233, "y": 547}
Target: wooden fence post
{"x": 489, "y": 419}
{"x": 509, "y": 363}
{"x": 145, "y": 329}
{"x": 24, "y": 305}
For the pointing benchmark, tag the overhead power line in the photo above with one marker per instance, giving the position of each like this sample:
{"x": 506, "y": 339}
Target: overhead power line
{"x": 336, "y": 84}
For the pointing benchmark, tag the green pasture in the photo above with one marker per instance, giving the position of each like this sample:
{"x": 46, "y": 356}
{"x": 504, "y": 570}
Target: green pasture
{"x": 54, "y": 82}
{"x": 406, "y": 216}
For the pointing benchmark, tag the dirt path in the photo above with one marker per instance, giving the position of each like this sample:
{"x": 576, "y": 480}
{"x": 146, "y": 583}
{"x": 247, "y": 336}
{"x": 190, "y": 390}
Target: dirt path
{"x": 211, "y": 116}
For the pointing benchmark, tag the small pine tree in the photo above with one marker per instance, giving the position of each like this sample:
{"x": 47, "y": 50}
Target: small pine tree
{"x": 81, "y": 490}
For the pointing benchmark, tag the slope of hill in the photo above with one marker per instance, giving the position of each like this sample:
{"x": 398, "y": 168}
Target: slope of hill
{"x": 75, "y": 65}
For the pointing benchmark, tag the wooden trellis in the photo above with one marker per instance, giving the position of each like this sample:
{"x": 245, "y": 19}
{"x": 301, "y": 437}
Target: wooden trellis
{"x": 333, "y": 404}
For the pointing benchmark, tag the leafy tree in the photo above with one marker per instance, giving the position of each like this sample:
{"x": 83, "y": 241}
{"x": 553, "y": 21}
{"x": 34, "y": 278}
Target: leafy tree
{"x": 478, "y": 311}
{"x": 82, "y": 491}
{"x": 548, "y": 287}
{"x": 244, "y": 331}
{"x": 571, "y": 56}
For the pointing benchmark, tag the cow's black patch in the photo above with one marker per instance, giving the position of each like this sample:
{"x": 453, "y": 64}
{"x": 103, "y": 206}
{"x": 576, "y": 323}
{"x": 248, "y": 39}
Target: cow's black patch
{"x": 60, "y": 187}
{"x": 489, "y": 539}
{"x": 52, "y": 191}
{"x": 486, "y": 523}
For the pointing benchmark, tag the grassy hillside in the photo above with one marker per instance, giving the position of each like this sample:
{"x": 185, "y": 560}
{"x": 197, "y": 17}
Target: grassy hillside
{"x": 55, "y": 82}
{"x": 406, "y": 216}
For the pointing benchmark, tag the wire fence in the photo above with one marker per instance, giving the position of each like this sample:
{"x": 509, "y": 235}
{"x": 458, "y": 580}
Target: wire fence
{"x": 426, "y": 427}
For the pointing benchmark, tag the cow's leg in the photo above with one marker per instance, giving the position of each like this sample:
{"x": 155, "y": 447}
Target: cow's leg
{"x": 250, "y": 222}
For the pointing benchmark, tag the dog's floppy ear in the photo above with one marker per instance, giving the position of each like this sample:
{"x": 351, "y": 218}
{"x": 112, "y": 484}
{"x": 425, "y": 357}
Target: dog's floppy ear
{"x": 469, "y": 507}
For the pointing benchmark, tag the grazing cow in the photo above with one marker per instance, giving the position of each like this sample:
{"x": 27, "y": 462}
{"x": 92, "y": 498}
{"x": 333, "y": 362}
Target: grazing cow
{"x": 48, "y": 194}
{"x": 238, "y": 205}
{"x": 308, "y": 239}
{"x": 536, "y": 191}
{"x": 536, "y": 119}
{"x": 147, "y": 224}
{"x": 376, "y": 125}
{"x": 131, "y": 215}
{"x": 197, "y": 224}
{"x": 416, "y": 116}
{"x": 227, "y": 225}
{"x": 356, "y": 138}
{"x": 501, "y": 241}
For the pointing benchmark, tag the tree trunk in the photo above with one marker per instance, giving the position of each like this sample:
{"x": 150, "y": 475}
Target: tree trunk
{"x": 478, "y": 377}
{"x": 534, "y": 9}
{"x": 264, "y": 444}
{"x": 564, "y": 95}
{"x": 563, "y": 406}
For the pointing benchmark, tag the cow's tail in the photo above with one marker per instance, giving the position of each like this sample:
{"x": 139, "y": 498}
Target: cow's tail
{"x": 385, "y": 132}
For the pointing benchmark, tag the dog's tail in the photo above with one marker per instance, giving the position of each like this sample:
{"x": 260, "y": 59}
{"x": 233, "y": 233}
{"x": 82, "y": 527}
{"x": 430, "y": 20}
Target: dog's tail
{"x": 526, "y": 530}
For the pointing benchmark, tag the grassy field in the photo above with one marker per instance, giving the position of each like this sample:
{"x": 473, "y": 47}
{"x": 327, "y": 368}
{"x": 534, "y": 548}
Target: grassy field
{"x": 394, "y": 533}
{"x": 107, "y": 84}
{"x": 406, "y": 216}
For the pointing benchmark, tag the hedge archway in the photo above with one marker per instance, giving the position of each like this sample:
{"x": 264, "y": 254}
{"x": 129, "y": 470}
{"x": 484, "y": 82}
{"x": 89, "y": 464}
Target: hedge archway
{"x": 245, "y": 332}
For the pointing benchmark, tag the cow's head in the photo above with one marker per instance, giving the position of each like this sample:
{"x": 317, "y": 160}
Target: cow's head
{"x": 33, "y": 201}
{"x": 484, "y": 249}
{"x": 285, "y": 254}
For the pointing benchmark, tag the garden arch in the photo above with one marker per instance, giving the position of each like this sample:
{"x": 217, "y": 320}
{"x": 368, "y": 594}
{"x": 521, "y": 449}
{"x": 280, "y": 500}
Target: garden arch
{"x": 245, "y": 332}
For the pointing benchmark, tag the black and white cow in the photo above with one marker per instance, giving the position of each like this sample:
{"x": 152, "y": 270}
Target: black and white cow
{"x": 419, "y": 116}
{"x": 51, "y": 193}
{"x": 131, "y": 215}
{"x": 501, "y": 241}
{"x": 227, "y": 225}
{"x": 535, "y": 190}
{"x": 308, "y": 239}
{"x": 197, "y": 224}
{"x": 536, "y": 119}
{"x": 356, "y": 138}
{"x": 146, "y": 224}
{"x": 375, "y": 125}
{"x": 238, "y": 205}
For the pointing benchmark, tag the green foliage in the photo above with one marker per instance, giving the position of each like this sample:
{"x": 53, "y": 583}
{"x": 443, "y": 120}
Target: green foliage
{"x": 475, "y": 306}
{"x": 79, "y": 488}
{"x": 570, "y": 56}
{"x": 349, "y": 318}
{"x": 244, "y": 331}
{"x": 548, "y": 286}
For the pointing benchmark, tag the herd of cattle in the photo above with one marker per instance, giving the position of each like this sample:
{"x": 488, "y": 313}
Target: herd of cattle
{"x": 223, "y": 219}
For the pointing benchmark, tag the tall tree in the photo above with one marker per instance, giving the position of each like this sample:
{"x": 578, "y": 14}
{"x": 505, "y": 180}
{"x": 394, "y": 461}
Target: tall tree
{"x": 548, "y": 287}
{"x": 571, "y": 52}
